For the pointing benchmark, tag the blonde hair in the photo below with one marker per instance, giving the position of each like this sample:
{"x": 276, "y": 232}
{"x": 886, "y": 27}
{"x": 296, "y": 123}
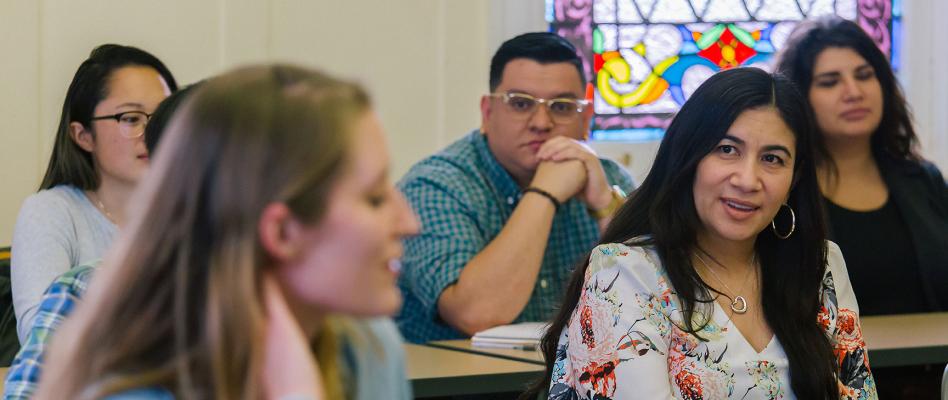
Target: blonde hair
{"x": 178, "y": 304}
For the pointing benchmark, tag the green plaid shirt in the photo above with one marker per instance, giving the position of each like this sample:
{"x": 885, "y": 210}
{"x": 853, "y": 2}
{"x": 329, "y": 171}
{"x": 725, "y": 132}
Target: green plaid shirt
{"x": 463, "y": 197}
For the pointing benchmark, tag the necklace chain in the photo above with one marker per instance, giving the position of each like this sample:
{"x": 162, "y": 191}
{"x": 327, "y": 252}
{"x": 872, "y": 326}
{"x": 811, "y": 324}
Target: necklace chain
{"x": 738, "y": 303}
{"x": 101, "y": 206}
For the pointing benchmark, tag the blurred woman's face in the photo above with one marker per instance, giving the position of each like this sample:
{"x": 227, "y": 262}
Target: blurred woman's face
{"x": 741, "y": 184}
{"x": 845, "y": 94}
{"x": 351, "y": 263}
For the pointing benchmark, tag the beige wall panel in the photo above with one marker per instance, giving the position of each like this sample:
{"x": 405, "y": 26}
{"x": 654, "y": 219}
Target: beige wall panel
{"x": 19, "y": 103}
{"x": 939, "y": 99}
{"x": 923, "y": 75}
{"x": 390, "y": 47}
{"x": 465, "y": 66}
{"x": 245, "y": 29}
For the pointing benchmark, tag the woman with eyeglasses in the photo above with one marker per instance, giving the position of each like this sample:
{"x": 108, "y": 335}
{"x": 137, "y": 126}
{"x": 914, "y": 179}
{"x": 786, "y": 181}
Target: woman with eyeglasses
{"x": 98, "y": 158}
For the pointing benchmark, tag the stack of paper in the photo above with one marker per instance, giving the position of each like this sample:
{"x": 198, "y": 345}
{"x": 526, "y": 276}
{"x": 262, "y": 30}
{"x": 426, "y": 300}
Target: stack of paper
{"x": 525, "y": 336}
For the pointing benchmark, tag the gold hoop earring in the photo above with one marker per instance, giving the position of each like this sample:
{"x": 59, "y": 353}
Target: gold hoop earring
{"x": 793, "y": 223}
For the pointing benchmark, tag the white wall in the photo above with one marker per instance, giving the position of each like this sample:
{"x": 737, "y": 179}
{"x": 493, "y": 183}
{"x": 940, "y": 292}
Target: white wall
{"x": 19, "y": 109}
{"x": 924, "y": 75}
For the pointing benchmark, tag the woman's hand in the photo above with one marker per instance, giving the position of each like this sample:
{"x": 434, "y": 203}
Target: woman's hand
{"x": 290, "y": 370}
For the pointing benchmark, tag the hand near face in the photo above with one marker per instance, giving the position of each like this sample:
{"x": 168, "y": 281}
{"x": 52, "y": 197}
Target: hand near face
{"x": 289, "y": 366}
{"x": 596, "y": 192}
{"x": 562, "y": 179}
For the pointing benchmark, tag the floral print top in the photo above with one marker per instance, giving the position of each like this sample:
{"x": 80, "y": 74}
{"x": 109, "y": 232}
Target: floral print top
{"x": 623, "y": 340}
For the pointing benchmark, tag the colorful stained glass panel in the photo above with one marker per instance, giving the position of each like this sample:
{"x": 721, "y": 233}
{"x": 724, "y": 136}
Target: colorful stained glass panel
{"x": 644, "y": 58}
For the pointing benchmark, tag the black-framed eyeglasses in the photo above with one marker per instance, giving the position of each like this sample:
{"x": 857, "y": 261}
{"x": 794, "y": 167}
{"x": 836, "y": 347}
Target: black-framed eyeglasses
{"x": 562, "y": 110}
{"x": 131, "y": 123}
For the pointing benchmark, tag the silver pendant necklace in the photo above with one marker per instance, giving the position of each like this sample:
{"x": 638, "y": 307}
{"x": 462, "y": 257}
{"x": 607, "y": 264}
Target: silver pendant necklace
{"x": 738, "y": 303}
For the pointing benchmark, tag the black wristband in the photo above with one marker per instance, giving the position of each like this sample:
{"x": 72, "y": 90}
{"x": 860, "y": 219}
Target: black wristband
{"x": 544, "y": 193}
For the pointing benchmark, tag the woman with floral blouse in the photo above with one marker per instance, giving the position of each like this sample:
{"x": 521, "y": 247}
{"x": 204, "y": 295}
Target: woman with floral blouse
{"x": 715, "y": 280}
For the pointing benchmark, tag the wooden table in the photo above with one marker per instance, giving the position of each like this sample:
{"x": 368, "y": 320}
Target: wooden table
{"x": 892, "y": 340}
{"x": 440, "y": 372}
{"x": 909, "y": 339}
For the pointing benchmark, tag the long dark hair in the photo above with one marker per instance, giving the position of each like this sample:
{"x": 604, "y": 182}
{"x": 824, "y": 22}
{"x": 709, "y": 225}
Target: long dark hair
{"x": 70, "y": 164}
{"x": 895, "y": 137}
{"x": 661, "y": 213}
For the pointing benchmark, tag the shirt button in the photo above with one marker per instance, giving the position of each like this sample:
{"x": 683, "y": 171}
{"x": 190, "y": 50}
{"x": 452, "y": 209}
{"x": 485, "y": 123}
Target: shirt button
{"x": 510, "y": 200}
{"x": 543, "y": 283}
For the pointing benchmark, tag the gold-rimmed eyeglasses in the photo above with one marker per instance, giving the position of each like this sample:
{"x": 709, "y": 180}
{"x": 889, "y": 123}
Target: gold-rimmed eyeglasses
{"x": 131, "y": 123}
{"x": 562, "y": 110}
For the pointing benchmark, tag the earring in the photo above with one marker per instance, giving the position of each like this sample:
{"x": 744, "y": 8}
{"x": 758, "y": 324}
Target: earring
{"x": 793, "y": 223}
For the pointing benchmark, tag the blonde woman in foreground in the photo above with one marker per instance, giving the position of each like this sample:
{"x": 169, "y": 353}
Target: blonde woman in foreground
{"x": 261, "y": 262}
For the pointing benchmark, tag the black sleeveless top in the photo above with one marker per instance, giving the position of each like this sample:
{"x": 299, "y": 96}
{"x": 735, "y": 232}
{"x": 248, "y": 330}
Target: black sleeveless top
{"x": 880, "y": 256}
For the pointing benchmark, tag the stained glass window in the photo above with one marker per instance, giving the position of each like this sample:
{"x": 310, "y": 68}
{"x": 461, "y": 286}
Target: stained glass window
{"x": 643, "y": 58}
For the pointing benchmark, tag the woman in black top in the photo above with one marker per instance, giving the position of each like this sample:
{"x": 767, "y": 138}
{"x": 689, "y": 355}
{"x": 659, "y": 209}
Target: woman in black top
{"x": 887, "y": 207}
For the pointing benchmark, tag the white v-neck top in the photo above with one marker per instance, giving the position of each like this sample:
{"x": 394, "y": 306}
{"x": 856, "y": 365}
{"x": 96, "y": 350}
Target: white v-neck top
{"x": 623, "y": 340}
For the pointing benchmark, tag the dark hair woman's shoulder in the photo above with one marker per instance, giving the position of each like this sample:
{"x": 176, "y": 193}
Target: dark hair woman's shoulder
{"x": 909, "y": 166}
{"x": 918, "y": 177}
{"x": 937, "y": 182}
{"x": 931, "y": 170}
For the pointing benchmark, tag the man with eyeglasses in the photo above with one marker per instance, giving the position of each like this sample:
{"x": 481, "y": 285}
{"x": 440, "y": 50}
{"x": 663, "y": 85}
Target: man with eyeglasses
{"x": 509, "y": 209}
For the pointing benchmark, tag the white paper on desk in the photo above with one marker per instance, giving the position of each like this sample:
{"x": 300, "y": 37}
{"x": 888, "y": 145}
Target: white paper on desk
{"x": 499, "y": 342}
{"x": 522, "y": 332}
{"x": 520, "y": 345}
